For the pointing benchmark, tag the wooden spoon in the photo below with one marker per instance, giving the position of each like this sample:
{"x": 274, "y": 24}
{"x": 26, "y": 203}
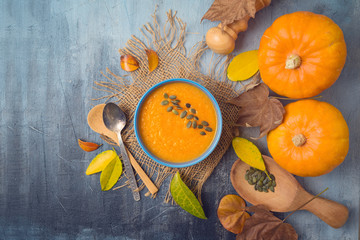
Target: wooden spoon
{"x": 288, "y": 196}
{"x": 96, "y": 123}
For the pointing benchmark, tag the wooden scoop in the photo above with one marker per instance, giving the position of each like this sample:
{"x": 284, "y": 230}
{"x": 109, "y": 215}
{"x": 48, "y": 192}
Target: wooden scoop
{"x": 288, "y": 195}
{"x": 96, "y": 123}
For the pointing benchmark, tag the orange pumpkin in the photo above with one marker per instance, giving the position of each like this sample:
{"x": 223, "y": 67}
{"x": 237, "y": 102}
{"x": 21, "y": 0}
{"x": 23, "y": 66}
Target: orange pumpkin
{"x": 312, "y": 140}
{"x": 301, "y": 54}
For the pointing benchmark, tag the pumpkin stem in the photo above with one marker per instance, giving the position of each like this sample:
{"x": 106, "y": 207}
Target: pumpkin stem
{"x": 293, "y": 61}
{"x": 299, "y": 140}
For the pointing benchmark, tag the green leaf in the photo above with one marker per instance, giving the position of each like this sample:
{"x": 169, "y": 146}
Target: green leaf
{"x": 111, "y": 173}
{"x": 100, "y": 161}
{"x": 185, "y": 198}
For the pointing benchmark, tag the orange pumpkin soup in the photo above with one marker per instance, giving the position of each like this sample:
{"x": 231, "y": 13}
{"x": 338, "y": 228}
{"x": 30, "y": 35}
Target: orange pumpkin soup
{"x": 164, "y": 129}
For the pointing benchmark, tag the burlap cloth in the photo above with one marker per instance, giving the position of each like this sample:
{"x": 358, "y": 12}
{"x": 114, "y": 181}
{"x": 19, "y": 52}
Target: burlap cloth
{"x": 168, "y": 42}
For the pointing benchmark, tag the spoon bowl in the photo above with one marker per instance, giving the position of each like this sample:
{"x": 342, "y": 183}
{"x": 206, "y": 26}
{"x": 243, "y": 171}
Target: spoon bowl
{"x": 114, "y": 117}
{"x": 289, "y": 195}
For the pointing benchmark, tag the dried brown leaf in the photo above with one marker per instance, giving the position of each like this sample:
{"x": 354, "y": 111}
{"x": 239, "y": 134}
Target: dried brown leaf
{"x": 255, "y": 81}
{"x": 258, "y": 110}
{"x": 263, "y": 225}
{"x": 228, "y": 11}
{"x": 231, "y": 213}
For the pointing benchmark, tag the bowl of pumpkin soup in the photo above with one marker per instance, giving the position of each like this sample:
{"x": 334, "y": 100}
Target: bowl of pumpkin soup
{"x": 178, "y": 123}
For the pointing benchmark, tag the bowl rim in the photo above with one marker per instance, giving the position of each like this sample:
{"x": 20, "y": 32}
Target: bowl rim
{"x": 213, "y": 144}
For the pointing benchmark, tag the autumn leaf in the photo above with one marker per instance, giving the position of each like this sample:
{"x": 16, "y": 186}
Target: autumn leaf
{"x": 228, "y": 11}
{"x": 128, "y": 63}
{"x": 263, "y": 225}
{"x": 243, "y": 66}
{"x": 249, "y": 153}
{"x": 111, "y": 173}
{"x": 258, "y": 110}
{"x": 88, "y": 146}
{"x": 231, "y": 213}
{"x": 185, "y": 198}
{"x": 153, "y": 59}
{"x": 100, "y": 162}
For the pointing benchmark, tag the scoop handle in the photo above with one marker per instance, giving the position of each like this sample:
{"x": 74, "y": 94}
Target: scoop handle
{"x": 331, "y": 212}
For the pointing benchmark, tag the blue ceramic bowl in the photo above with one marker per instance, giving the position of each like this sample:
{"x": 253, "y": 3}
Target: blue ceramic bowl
{"x": 210, "y": 148}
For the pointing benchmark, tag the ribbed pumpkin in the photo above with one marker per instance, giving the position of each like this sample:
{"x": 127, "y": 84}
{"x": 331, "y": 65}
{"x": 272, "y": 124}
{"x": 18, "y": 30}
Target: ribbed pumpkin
{"x": 301, "y": 54}
{"x": 312, "y": 140}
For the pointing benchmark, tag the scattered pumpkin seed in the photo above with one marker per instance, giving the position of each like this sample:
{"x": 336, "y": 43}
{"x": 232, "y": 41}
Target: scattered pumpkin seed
{"x": 165, "y": 102}
{"x": 209, "y": 129}
{"x": 188, "y": 125}
{"x": 202, "y": 133}
{"x": 169, "y": 109}
{"x": 166, "y": 95}
{"x": 183, "y": 114}
{"x": 175, "y": 112}
{"x": 200, "y": 126}
{"x": 175, "y": 103}
{"x": 196, "y": 118}
{"x": 172, "y": 96}
{"x": 261, "y": 182}
{"x": 194, "y": 124}
{"x": 190, "y": 116}
{"x": 193, "y": 111}
{"x": 205, "y": 123}
{"x": 188, "y": 105}
{"x": 179, "y": 108}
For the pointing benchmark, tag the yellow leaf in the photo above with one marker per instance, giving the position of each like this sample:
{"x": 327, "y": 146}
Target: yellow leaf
{"x": 111, "y": 173}
{"x": 100, "y": 161}
{"x": 152, "y": 58}
{"x": 243, "y": 66}
{"x": 248, "y": 153}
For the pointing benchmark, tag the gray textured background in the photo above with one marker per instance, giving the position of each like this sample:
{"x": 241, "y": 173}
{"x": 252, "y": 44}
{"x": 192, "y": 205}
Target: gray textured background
{"x": 50, "y": 54}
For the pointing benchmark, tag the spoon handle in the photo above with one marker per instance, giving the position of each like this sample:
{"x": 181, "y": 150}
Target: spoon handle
{"x": 128, "y": 168}
{"x": 331, "y": 212}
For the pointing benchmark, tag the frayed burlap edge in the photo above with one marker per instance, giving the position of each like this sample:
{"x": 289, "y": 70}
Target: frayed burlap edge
{"x": 174, "y": 62}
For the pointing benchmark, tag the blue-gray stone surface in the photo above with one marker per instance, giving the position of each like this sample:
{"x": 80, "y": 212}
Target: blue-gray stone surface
{"x": 50, "y": 54}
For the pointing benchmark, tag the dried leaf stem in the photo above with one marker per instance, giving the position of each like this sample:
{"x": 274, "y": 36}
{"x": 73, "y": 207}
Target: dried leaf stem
{"x": 306, "y": 203}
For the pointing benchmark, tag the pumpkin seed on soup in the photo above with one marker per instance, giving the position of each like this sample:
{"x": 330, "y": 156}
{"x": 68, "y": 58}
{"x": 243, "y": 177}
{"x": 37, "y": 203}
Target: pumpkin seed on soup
{"x": 190, "y": 116}
{"x": 175, "y": 112}
{"x": 196, "y": 118}
{"x": 209, "y": 129}
{"x": 204, "y": 123}
{"x": 193, "y": 111}
{"x": 202, "y": 133}
{"x": 165, "y": 102}
{"x": 169, "y": 109}
{"x": 188, "y": 125}
{"x": 166, "y": 95}
{"x": 200, "y": 126}
{"x": 188, "y": 105}
{"x": 194, "y": 124}
{"x": 183, "y": 114}
{"x": 172, "y": 96}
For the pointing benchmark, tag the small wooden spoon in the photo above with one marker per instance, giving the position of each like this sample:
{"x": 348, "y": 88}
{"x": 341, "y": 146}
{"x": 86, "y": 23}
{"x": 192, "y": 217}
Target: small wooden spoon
{"x": 96, "y": 123}
{"x": 288, "y": 196}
